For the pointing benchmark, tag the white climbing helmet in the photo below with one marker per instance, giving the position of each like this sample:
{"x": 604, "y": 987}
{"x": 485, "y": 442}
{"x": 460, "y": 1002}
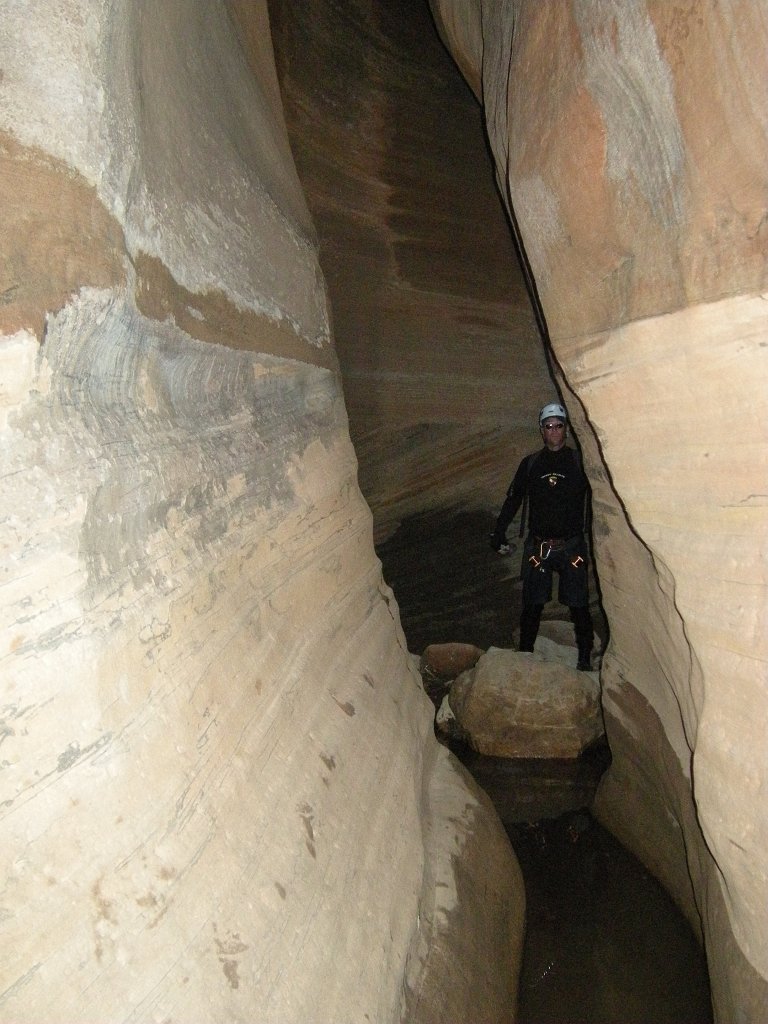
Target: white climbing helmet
{"x": 553, "y": 409}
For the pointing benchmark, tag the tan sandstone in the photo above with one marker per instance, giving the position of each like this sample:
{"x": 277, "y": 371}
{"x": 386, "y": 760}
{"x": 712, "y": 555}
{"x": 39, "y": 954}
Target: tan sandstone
{"x": 519, "y": 705}
{"x": 221, "y": 799}
{"x": 632, "y": 144}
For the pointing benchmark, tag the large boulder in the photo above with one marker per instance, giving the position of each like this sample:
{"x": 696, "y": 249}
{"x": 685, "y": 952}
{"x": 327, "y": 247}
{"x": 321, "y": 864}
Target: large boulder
{"x": 519, "y": 705}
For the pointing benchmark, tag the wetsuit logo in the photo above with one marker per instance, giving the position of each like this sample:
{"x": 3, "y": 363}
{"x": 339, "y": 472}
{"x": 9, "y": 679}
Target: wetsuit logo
{"x": 553, "y": 479}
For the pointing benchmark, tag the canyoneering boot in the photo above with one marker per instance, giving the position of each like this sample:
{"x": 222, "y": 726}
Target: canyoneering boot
{"x": 529, "y": 626}
{"x": 582, "y": 627}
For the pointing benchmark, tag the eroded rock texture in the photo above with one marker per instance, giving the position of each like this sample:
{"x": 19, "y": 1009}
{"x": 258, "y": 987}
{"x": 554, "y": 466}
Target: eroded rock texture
{"x": 512, "y": 704}
{"x": 221, "y": 797}
{"x": 631, "y": 141}
{"x": 437, "y": 341}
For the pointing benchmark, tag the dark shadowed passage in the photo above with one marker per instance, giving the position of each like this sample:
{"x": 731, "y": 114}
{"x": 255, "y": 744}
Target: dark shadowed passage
{"x": 437, "y": 564}
{"x": 604, "y": 944}
{"x": 452, "y": 588}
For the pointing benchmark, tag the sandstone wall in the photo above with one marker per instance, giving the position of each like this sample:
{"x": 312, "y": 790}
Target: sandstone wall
{"x": 221, "y": 798}
{"x": 631, "y": 139}
{"x": 433, "y": 326}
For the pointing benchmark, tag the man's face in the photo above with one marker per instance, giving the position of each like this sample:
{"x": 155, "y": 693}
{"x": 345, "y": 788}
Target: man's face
{"x": 553, "y": 432}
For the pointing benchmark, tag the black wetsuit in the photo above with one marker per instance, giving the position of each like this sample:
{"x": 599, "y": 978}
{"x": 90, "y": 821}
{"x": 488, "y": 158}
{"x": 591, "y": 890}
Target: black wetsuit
{"x": 556, "y": 487}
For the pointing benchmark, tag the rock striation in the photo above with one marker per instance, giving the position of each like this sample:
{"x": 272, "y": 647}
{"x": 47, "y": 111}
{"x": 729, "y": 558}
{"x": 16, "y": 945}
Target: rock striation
{"x": 218, "y": 768}
{"x": 437, "y": 341}
{"x": 630, "y": 140}
{"x": 221, "y": 797}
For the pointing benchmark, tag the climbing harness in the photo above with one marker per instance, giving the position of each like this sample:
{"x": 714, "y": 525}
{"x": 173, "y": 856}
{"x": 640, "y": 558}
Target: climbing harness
{"x": 545, "y": 549}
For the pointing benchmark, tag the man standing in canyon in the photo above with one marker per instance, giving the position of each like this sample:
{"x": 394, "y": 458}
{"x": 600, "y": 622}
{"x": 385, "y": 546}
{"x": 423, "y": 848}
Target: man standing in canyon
{"x": 555, "y": 485}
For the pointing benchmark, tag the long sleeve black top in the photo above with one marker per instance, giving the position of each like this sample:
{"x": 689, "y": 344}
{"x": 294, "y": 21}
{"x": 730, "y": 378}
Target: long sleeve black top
{"x": 556, "y": 486}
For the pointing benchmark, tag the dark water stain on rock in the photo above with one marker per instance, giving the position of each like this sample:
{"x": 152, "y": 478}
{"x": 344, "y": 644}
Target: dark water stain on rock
{"x": 230, "y": 972}
{"x": 347, "y": 707}
{"x": 306, "y": 814}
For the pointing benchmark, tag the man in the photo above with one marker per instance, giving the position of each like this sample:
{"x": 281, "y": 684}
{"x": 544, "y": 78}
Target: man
{"x": 554, "y": 482}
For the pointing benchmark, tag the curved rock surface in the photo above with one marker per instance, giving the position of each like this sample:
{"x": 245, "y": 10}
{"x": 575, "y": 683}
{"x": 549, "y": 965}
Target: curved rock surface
{"x": 440, "y": 354}
{"x": 221, "y": 796}
{"x": 631, "y": 143}
{"x": 524, "y": 705}
{"x": 218, "y": 770}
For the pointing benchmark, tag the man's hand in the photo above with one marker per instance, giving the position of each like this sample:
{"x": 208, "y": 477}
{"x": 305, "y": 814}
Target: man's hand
{"x": 499, "y": 544}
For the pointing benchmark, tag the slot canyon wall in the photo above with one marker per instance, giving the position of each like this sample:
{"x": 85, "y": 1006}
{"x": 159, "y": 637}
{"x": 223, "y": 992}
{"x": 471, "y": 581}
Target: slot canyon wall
{"x": 440, "y": 353}
{"x": 221, "y": 795}
{"x": 441, "y": 358}
{"x": 630, "y": 138}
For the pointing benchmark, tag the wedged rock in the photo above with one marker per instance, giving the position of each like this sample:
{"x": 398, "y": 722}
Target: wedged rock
{"x": 441, "y": 663}
{"x": 519, "y": 705}
{"x": 446, "y": 661}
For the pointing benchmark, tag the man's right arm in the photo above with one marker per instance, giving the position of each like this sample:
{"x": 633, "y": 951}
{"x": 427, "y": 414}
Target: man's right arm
{"x": 512, "y": 503}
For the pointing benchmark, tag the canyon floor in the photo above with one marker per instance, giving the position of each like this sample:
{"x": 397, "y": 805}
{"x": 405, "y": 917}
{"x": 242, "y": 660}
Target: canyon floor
{"x": 605, "y": 944}
{"x": 452, "y": 588}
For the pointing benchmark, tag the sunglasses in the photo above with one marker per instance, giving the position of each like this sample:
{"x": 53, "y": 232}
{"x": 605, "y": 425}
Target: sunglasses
{"x": 553, "y": 426}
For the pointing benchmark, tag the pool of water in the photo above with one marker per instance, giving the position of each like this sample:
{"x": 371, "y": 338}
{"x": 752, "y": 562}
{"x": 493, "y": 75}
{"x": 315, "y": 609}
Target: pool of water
{"x": 604, "y": 943}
